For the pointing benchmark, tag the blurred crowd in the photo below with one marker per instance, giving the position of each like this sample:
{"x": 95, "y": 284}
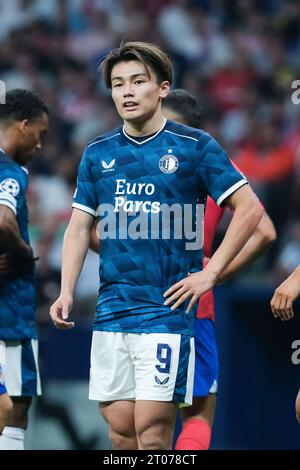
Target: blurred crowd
{"x": 239, "y": 58}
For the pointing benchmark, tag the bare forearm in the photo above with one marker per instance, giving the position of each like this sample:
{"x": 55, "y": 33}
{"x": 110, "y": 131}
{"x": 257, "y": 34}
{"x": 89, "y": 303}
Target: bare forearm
{"x": 262, "y": 238}
{"x": 10, "y": 238}
{"x": 241, "y": 228}
{"x": 76, "y": 242}
{"x": 249, "y": 253}
{"x": 74, "y": 251}
{"x": 295, "y": 279}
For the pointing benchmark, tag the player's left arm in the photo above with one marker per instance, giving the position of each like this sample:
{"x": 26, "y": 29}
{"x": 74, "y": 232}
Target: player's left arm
{"x": 285, "y": 295}
{"x": 247, "y": 214}
{"x": 263, "y": 236}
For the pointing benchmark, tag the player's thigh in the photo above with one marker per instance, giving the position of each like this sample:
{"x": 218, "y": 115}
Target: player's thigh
{"x": 154, "y": 419}
{"x": 112, "y": 371}
{"x": 298, "y": 406}
{"x": 21, "y": 370}
{"x": 6, "y": 408}
{"x": 19, "y": 415}
{"x": 164, "y": 366}
{"x": 119, "y": 415}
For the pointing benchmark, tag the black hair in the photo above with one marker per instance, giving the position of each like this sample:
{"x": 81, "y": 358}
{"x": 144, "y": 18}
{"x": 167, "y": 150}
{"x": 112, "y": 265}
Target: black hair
{"x": 22, "y": 104}
{"x": 186, "y": 104}
{"x": 146, "y": 53}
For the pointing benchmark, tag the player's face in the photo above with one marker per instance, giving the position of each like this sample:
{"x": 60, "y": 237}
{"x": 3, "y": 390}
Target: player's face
{"x": 169, "y": 113}
{"x": 136, "y": 93}
{"x": 31, "y": 138}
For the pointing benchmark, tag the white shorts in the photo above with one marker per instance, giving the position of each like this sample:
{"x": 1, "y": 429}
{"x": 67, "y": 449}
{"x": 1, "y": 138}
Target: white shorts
{"x": 20, "y": 371}
{"x": 142, "y": 366}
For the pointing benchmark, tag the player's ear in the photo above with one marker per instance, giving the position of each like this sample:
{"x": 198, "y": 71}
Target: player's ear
{"x": 164, "y": 89}
{"x": 23, "y": 125}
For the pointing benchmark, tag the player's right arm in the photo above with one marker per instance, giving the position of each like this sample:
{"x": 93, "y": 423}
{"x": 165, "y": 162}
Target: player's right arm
{"x": 16, "y": 254}
{"x": 75, "y": 246}
{"x": 285, "y": 295}
{"x": 94, "y": 240}
{"x": 10, "y": 237}
{"x": 76, "y": 240}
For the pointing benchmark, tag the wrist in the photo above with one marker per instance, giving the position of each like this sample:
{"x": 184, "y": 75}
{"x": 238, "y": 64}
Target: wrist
{"x": 22, "y": 249}
{"x": 67, "y": 292}
{"x": 214, "y": 274}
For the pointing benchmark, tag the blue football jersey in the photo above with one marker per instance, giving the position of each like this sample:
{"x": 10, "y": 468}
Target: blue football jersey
{"x": 17, "y": 294}
{"x": 149, "y": 195}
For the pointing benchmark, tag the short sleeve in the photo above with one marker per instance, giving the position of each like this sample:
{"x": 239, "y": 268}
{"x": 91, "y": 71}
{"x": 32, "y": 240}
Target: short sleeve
{"x": 214, "y": 171}
{"x": 85, "y": 197}
{"x": 12, "y": 187}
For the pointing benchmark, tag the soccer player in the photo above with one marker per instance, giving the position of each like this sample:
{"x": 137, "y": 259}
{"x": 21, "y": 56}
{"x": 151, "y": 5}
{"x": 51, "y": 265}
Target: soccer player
{"x": 282, "y": 307}
{"x": 147, "y": 180}
{"x": 23, "y": 123}
{"x": 182, "y": 106}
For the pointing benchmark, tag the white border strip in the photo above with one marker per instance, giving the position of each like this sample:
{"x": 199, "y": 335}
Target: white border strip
{"x": 180, "y": 135}
{"x": 146, "y": 140}
{"x": 103, "y": 140}
{"x": 8, "y": 197}
{"x": 231, "y": 190}
{"x": 84, "y": 208}
{"x": 4, "y": 202}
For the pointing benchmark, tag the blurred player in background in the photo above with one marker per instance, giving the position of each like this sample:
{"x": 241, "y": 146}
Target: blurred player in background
{"x": 23, "y": 123}
{"x": 282, "y": 307}
{"x": 142, "y": 350}
{"x": 182, "y": 106}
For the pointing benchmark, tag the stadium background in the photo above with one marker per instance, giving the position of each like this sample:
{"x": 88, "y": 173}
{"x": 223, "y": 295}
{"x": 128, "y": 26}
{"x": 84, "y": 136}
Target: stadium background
{"x": 240, "y": 59}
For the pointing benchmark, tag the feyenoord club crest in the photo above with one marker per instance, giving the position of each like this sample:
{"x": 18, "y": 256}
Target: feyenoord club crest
{"x": 168, "y": 163}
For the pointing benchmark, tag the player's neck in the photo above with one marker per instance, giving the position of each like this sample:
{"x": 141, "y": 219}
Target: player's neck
{"x": 6, "y": 145}
{"x": 151, "y": 126}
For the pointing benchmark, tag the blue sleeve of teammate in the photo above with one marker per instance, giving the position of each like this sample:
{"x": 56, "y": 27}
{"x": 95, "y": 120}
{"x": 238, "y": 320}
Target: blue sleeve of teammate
{"x": 85, "y": 197}
{"x": 214, "y": 172}
{"x": 13, "y": 185}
